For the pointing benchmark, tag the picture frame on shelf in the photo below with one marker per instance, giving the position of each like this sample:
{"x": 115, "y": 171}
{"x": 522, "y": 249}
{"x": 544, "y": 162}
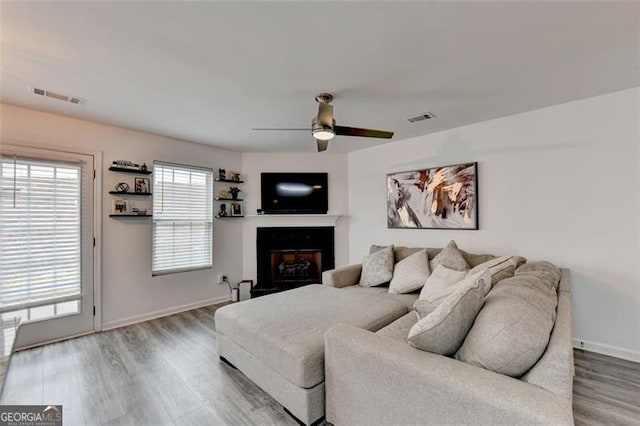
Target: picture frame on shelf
{"x": 142, "y": 185}
{"x": 223, "y": 210}
{"x": 120, "y": 207}
{"x": 236, "y": 209}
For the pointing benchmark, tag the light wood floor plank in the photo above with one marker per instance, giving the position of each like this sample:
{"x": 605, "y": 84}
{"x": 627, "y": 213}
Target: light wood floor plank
{"x": 166, "y": 372}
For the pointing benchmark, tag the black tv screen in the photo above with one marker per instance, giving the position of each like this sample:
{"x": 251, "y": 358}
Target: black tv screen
{"x": 295, "y": 193}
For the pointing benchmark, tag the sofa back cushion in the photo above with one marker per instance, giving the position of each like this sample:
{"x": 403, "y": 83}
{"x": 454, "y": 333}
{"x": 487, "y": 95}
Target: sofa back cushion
{"x": 443, "y": 330}
{"x": 512, "y": 330}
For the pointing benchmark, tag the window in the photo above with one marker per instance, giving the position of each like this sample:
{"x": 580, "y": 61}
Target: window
{"x": 182, "y": 218}
{"x": 40, "y": 238}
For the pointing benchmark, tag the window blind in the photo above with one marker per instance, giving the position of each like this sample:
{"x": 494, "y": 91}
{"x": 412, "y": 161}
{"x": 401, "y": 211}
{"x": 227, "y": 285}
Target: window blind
{"x": 40, "y": 234}
{"x": 182, "y": 218}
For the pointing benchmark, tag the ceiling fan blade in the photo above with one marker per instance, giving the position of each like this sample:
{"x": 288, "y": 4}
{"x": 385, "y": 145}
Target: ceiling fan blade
{"x": 325, "y": 114}
{"x": 322, "y": 145}
{"x": 363, "y": 133}
{"x": 264, "y": 128}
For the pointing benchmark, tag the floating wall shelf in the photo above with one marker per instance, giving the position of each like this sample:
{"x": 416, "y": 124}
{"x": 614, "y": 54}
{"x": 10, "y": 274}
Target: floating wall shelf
{"x": 134, "y": 171}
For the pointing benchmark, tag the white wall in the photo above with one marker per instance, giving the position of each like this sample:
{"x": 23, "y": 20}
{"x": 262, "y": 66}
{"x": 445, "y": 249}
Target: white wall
{"x": 129, "y": 292}
{"x": 255, "y": 163}
{"x": 559, "y": 184}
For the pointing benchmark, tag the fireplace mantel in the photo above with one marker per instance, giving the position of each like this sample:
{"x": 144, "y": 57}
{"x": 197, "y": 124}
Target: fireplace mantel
{"x": 285, "y": 220}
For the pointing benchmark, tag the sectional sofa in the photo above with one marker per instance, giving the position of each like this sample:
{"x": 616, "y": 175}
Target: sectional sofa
{"x": 340, "y": 350}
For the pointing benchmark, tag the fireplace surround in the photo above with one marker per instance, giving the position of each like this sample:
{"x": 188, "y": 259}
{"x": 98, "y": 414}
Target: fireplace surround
{"x": 290, "y": 257}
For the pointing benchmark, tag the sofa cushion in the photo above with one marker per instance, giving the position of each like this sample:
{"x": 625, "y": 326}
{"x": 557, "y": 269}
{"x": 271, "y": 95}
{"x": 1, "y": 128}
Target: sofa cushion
{"x": 444, "y": 329}
{"x": 285, "y": 331}
{"x": 377, "y": 267}
{"x": 511, "y": 332}
{"x": 500, "y": 267}
{"x": 438, "y": 286}
{"x": 451, "y": 257}
{"x": 371, "y": 291}
{"x": 381, "y": 291}
{"x": 399, "y": 329}
{"x": 410, "y": 273}
{"x": 550, "y": 271}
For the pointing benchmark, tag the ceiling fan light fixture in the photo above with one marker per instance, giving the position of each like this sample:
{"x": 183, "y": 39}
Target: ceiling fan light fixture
{"x": 324, "y": 134}
{"x": 322, "y": 131}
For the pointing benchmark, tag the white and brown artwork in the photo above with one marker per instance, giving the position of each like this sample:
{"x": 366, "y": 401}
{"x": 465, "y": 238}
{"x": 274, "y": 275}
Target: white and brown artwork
{"x": 437, "y": 198}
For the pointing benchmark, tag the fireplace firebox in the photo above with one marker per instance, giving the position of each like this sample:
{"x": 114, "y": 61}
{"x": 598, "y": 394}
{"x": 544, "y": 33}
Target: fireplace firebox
{"x": 291, "y": 257}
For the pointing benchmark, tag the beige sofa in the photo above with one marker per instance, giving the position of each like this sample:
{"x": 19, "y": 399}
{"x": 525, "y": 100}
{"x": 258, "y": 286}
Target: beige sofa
{"x": 377, "y": 378}
{"x": 371, "y": 375}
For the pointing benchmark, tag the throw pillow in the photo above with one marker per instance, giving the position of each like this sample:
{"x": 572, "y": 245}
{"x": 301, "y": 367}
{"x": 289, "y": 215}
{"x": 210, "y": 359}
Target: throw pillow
{"x": 500, "y": 268}
{"x": 451, "y": 257}
{"x": 377, "y": 267}
{"x": 439, "y": 285}
{"x": 444, "y": 329}
{"x": 512, "y": 331}
{"x": 410, "y": 273}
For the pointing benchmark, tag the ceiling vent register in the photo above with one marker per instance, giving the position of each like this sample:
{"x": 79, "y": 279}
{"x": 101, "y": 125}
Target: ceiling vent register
{"x": 49, "y": 94}
{"x": 421, "y": 117}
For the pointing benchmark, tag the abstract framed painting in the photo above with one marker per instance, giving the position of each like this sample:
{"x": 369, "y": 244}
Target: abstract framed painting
{"x": 436, "y": 198}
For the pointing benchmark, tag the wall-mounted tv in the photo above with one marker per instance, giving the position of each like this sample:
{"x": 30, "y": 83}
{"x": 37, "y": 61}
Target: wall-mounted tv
{"x": 295, "y": 193}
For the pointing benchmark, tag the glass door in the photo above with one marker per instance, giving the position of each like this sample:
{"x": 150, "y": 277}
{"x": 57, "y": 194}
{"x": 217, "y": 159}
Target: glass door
{"x": 46, "y": 242}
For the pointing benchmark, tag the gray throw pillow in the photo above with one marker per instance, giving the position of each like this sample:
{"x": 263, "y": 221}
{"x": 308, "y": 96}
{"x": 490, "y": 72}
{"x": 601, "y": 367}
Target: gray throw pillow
{"x": 444, "y": 329}
{"x": 500, "y": 267}
{"x": 451, "y": 257}
{"x": 410, "y": 273}
{"x": 512, "y": 331}
{"x": 377, "y": 267}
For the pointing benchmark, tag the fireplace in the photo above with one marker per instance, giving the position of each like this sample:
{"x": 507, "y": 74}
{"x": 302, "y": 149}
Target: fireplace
{"x": 291, "y": 257}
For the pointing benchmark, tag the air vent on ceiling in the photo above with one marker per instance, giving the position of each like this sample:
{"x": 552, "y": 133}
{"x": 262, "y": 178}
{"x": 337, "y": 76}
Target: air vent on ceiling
{"x": 421, "y": 117}
{"x": 49, "y": 94}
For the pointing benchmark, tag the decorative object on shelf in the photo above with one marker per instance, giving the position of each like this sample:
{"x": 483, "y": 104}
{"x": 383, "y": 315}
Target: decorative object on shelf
{"x": 236, "y": 209}
{"x": 122, "y": 187}
{"x": 223, "y": 193}
{"x": 139, "y": 212}
{"x": 223, "y": 210}
{"x": 126, "y": 164}
{"x": 222, "y": 174}
{"x": 142, "y": 185}
{"x": 235, "y": 176}
{"x": 234, "y": 190}
{"x": 144, "y": 167}
{"x": 120, "y": 207}
{"x": 437, "y": 198}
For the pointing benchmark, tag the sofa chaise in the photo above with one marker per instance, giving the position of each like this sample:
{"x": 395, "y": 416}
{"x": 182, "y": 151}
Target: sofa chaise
{"x": 349, "y": 341}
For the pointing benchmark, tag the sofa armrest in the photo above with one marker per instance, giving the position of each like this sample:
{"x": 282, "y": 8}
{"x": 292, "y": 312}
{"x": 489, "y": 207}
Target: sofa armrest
{"x": 342, "y": 277}
{"x": 372, "y": 379}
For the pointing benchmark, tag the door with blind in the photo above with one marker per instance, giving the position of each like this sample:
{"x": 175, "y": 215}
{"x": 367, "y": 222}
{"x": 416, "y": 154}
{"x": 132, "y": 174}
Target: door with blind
{"x": 46, "y": 242}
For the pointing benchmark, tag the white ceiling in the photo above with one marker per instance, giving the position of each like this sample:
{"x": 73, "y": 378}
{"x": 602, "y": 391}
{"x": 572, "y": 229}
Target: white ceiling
{"x": 209, "y": 72}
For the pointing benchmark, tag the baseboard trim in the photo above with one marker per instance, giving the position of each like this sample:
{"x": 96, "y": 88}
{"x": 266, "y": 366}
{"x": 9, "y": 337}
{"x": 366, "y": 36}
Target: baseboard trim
{"x": 603, "y": 349}
{"x": 162, "y": 313}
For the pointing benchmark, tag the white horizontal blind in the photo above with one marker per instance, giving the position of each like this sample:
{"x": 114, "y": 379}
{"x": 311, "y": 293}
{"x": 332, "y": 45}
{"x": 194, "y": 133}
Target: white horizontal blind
{"x": 40, "y": 242}
{"x": 182, "y": 218}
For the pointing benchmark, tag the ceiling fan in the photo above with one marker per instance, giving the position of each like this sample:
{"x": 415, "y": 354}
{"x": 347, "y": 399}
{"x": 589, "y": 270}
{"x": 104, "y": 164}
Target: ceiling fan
{"x": 324, "y": 128}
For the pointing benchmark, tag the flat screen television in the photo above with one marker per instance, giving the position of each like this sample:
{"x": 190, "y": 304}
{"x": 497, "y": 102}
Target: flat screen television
{"x": 294, "y": 193}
